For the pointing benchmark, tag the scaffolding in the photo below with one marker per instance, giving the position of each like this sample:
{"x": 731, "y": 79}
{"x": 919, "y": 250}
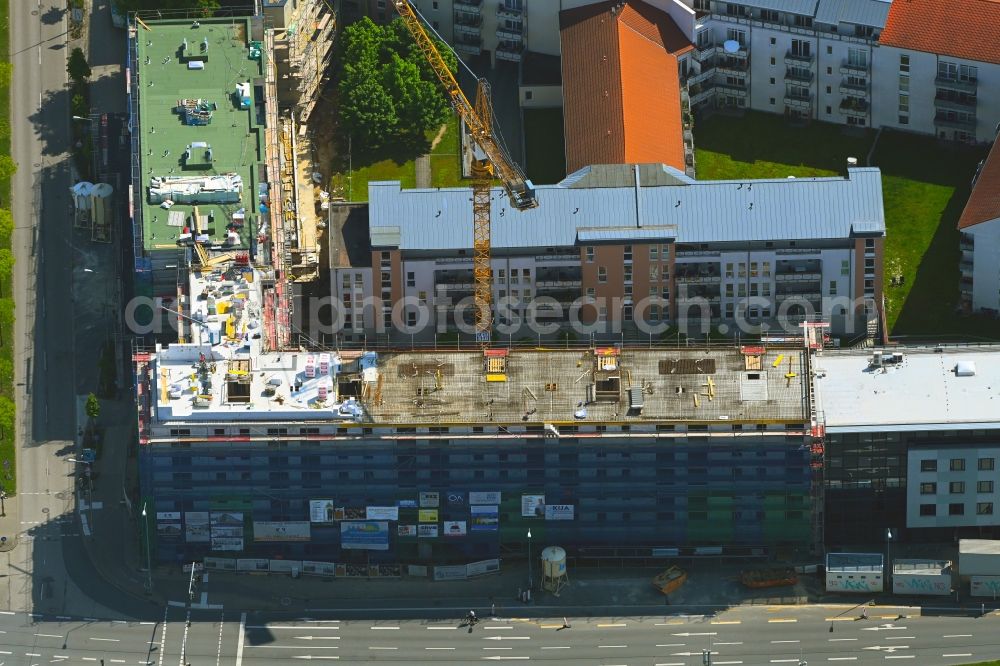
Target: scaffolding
{"x": 310, "y": 41}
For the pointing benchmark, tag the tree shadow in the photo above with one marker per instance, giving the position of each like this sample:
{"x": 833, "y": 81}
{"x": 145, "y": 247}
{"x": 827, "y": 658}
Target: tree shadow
{"x": 51, "y": 123}
{"x": 52, "y": 16}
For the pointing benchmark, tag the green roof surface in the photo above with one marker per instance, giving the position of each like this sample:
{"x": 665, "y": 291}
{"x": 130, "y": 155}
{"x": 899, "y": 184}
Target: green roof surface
{"x": 235, "y": 135}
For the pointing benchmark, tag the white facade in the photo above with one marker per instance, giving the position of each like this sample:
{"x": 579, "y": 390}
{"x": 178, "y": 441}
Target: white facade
{"x": 854, "y": 572}
{"x": 981, "y": 260}
{"x": 952, "y": 487}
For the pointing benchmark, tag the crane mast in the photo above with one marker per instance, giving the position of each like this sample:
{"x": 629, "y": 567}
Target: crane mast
{"x": 495, "y": 165}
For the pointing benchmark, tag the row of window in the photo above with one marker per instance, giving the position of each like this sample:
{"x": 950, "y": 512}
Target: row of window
{"x": 958, "y": 465}
{"x": 957, "y": 509}
{"x": 656, "y": 253}
{"x": 955, "y": 487}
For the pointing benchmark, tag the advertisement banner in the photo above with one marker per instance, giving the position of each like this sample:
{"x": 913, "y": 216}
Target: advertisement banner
{"x": 430, "y": 500}
{"x": 456, "y": 498}
{"x": 364, "y": 535}
{"x": 482, "y": 568}
{"x": 427, "y": 515}
{"x": 406, "y": 530}
{"x": 196, "y": 527}
{"x": 427, "y": 531}
{"x": 321, "y": 511}
{"x": 226, "y": 530}
{"x": 485, "y": 518}
{"x": 454, "y": 572}
{"x": 491, "y": 497}
{"x": 382, "y": 513}
{"x": 272, "y": 530}
{"x": 532, "y": 506}
{"x": 407, "y": 504}
{"x": 558, "y": 512}
{"x": 169, "y": 531}
{"x": 318, "y": 568}
{"x": 454, "y": 528}
{"x": 174, "y": 516}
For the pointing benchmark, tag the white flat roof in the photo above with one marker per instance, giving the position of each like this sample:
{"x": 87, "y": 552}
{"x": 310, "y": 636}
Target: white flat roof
{"x": 978, "y": 547}
{"x": 921, "y": 392}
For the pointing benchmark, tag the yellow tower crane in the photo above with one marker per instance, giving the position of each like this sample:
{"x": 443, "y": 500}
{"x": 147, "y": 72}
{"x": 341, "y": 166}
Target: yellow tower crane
{"x": 496, "y": 164}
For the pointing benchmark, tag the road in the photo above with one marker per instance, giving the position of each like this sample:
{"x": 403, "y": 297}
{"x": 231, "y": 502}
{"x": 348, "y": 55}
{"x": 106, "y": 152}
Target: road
{"x": 758, "y": 636}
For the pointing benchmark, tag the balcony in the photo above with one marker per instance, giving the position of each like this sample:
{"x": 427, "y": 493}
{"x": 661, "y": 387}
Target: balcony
{"x": 706, "y": 74}
{"x": 854, "y": 68}
{"x": 800, "y": 59}
{"x": 963, "y": 124}
{"x": 798, "y": 100}
{"x": 730, "y": 89}
{"x": 732, "y": 66}
{"x": 853, "y": 90}
{"x": 704, "y": 52}
{"x": 852, "y": 106}
{"x": 952, "y": 102}
{"x": 468, "y": 46}
{"x": 466, "y": 29}
{"x": 965, "y": 285}
{"x": 965, "y": 265}
{"x": 470, "y": 6}
{"x": 798, "y": 271}
{"x": 509, "y": 34}
{"x": 509, "y": 51}
{"x": 701, "y": 94}
{"x": 697, "y": 273}
{"x": 964, "y": 86}
{"x": 798, "y": 295}
{"x": 966, "y": 243}
{"x": 505, "y": 12}
{"x": 797, "y": 75}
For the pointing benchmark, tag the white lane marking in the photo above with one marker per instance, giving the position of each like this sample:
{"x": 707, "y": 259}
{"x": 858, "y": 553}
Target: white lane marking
{"x": 90, "y": 619}
{"x": 733, "y": 643}
{"x": 117, "y": 661}
{"x": 32, "y": 654}
{"x": 163, "y": 636}
{"x": 5, "y": 652}
{"x": 290, "y": 626}
{"x": 670, "y": 644}
{"x": 384, "y": 628}
{"x": 109, "y": 640}
{"x": 7, "y": 613}
{"x": 841, "y": 658}
{"x": 671, "y": 663}
{"x": 720, "y": 663}
{"x": 786, "y": 661}
{"x": 498, "y": 648}
{"x": 500, "y": 627}
{"x": 779, "y": 620}
{"x": 441, "y": 628}
{"x": 612, "y": 646}
{"x": 785, "y": 641}
{"x": 239, "y": 643}
{"x": 900, "y": 656}
{"x": 89, "y": 658}
{"x": 838, "y": 640}
{"x": 897, "y": 638}
{"x": 218, "y": 655}
{"x": 63, "y": 617}
{"x": 556, "y": 647}
{"x": 293, "y": 647}
{"x": 439, "y": 648}
{"x": 612, "y": 624}
{"x": 957, "y": 636}
{"x": 958, "y": 654}
{"x": 48, "y": 635}
{"x": 374, "y": 647}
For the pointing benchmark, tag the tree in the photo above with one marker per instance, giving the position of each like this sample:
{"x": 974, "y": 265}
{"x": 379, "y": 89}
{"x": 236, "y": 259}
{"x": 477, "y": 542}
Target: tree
{"x": 7, "y": 415}
{"x": 6, "y": 226}
{"x": 77, "y": 66}
{"x": 6, "y": 266}
{"x": 7, "y": 167}
{"x": 93, "y": 406}
{"x": 79, "y": 106}
{"x": 6, "y": 316}
{"x": 388, "y": 91}
{"x": 6, "y": 73}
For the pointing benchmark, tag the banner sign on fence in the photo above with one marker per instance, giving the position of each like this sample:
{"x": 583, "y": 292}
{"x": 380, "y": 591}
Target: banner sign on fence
{"x": 406, "y": 530}
{"x": 482, "y": 568}
{"x": 454, "y": 528}
{"x": 532, "y": 506}
{"x": 491, "y": 497}
{"x": 364, "y": 535}
{"x": 196, "y": 527}
{"x": 407, "y": 504}
{"x": 427, "y": 531}
{"x": 456, "y": 572}
{"x": 226, "y": 529}
{"x": 430, "y": 500}
{"x": 382, "y": 513}
{"x": 427, "y": 515}
{"x": 558, "y": 512}
{"x": 273, "y": 530}
{"x": 456, "y": 498}
{"x": 485, "y": 518}
{"x": 322, "y": 511}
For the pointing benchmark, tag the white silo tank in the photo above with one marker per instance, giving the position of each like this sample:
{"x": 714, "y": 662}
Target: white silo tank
{"x": 81, "y": 195}
{"x": 554, "y": 575}
{"x": 100, "y": 198}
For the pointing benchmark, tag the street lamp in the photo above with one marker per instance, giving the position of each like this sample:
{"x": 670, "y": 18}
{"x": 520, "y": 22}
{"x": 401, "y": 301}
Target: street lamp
{"x": 3, "y": 509}
{"x": 86, "y": 120}
{"x": 888, "y": 556}
{"x": 149, "y": 568}
{"x": 530, "y": 582}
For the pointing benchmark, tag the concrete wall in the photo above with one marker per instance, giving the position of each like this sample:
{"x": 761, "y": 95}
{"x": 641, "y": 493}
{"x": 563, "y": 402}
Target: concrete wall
{"x": 540, "y": 97}
{"x": 986, "y": 265}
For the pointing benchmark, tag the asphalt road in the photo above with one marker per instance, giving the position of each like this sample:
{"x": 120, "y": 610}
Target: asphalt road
{"x": 758, "y": 636}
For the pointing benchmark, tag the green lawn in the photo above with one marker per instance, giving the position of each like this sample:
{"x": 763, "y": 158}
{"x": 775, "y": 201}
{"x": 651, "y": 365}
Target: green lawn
{"x": 393, "y": 163}
{"x": 8, "y": 480}
{"x": 545, "y": 151}
{"x": 925, "y": 185}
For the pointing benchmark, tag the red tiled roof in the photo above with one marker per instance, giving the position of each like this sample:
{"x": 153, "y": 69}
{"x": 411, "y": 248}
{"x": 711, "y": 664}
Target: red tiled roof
{"x": 984, "y": 202}
{"x": 621, "y": 91}
{"x": 964, "y": 29}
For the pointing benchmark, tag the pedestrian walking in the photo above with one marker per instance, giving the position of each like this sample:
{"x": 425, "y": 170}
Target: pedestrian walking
{"x": 493, "y": 609}
{"x": 565, "y": 623}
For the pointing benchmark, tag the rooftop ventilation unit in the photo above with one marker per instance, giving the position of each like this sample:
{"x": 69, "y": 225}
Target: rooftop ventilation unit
{"x": 965, "y": 369}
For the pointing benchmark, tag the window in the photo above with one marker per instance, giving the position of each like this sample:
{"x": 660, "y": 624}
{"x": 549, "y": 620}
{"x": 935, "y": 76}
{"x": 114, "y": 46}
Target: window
{"x": 602, "y": 274}
{"x": 770, "y": 15}
{"x": 628, "y": 273}
{"x": 591, "y": 292}
{"x": 956, "y": 487}
{"x": 984, "y": 486}
{"x": 986, "y": 464}
{"x": 772, "y": 80}
{"x": 829, "y": 50}
{"x": 857, "y": 57}
{"x": 928, "y": 488}
{"x": 422, "y": 297}
{"x": 928, "y": 509}
{"x": 654, "y": 252}
{"x": 654, "y": 273}
{"x": 984, "y": 508}
{"x": 765, "y": 291}
{"x": 729, "y": 271}
{"x": 627, "y": 253}
{"x": 803, "y": 21}
{"x": 528, "y": 94}
{"x": 766, "y": 269}
{"x": 801, "y": 47}
{"x": 928, "y": 465}
{"x": 956, "y": 509}
{"x": 737, "y": 35}
{"x": 833, "y": 287}
{"x": 904, "y": 62}
{"x": 772, "y": 62}
{"x": 957, "y": 465}
{"x": 904, "y": 120}
{"x": 845, "y": 268}
{"x": 753, "y": 269}
{"x": 729, "y": 290}
{"x": 741, "y": 290}
{"x": 829, "y": 91}
{"x": 772, "y": 101}
{"x": 904, "y": 83}
{"x": 589, "y": 252}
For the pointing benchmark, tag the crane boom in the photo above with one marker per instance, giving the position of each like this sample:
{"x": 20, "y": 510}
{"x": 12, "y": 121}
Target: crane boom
{"x": 479, "y": 121}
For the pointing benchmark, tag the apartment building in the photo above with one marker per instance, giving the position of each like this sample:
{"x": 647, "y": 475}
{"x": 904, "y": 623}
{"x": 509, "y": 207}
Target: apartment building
{"x": 912, "y": 442}
{"x": 617, "y": 248}
{"x": 979, "y": 237}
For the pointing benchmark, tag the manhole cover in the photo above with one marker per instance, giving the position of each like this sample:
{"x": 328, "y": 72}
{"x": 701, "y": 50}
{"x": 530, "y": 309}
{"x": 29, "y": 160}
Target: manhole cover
{"x": 38, "y": 164}
{"x": 45, "y": 510}
{"x": 62, "y": 496}
{"x": 34, "y": 13}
